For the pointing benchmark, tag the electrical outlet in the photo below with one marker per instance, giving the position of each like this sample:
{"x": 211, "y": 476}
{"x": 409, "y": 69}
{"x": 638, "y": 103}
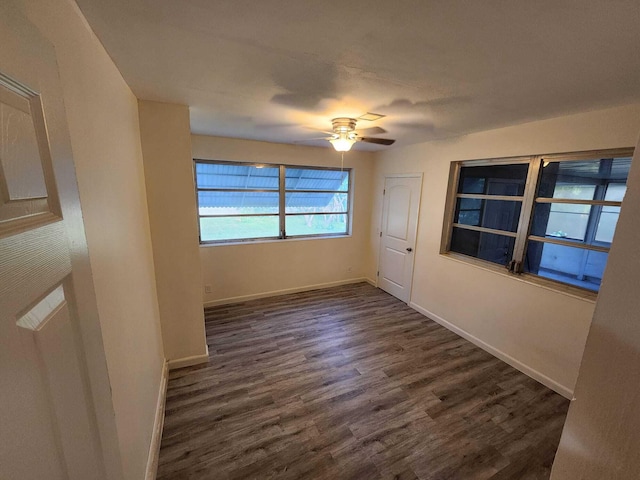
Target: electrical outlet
{"x": 207, "y": 289}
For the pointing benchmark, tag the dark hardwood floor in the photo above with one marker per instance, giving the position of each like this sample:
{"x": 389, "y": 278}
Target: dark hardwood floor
{"x": 349, "y": 382}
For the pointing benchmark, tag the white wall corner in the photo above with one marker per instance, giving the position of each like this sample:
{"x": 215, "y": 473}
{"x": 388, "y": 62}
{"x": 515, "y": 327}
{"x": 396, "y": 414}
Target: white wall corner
{"x": 371, "y": 282}
{"x": 158, "y": 424}
{"x": 189, "y": 361}
{"x": 514, "y": 362}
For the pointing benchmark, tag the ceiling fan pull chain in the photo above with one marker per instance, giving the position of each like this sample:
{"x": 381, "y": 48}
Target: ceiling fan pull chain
{"x": 342, "y": 163}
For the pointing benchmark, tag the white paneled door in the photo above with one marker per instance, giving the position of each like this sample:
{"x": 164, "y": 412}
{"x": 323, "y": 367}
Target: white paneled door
{"x": 48, "y": 427}
{"x": 398, "y": 234}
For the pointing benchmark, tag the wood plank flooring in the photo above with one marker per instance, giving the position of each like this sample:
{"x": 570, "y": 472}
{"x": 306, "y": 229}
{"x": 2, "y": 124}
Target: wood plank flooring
{"x": 350, "y": 383}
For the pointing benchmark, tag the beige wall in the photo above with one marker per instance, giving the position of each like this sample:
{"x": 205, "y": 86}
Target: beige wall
{"x": 166, "y": 145}
{"x": 103, "y": 122}
{"x": 602, "y": 432}
{"x": 254, "y": 269}
{"x": 541, "y": 331}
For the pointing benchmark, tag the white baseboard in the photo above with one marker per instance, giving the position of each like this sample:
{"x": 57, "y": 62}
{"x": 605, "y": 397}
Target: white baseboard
{"x": 273, "y": 293}
{"x": 515, "y": 363}
{"x": 158, "y": 424}
{"x": 188, "y": 361}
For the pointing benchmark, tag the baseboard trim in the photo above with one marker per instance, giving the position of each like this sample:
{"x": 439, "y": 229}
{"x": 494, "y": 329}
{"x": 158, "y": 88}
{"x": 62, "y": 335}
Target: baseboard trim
{"x": 188, "y": 361}
{"x": 515, "y": 363}
{"x": 158, "y": 425}
{"x": 370, "y": 282}
{"x": 274, "y": 293}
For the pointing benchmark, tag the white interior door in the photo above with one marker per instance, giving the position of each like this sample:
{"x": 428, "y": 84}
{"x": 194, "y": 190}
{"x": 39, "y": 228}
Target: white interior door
{"x": 400, "y": 209}
{"x": 48, "y": 425}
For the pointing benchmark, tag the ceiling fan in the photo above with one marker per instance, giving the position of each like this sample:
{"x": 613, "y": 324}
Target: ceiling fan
{"x": 344, "y": 134}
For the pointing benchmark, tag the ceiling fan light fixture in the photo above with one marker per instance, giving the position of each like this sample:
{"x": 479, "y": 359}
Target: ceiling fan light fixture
{"x": 342, "y": 143}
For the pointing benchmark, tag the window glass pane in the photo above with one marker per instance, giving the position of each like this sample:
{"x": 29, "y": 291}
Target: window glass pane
{"x": 561, "y": 220}
{"x": 574, "y": 191}
{"x": 609, "y": 215}
{"x": 615, "y": 192}
{"x": 468, "y": 211}
{"x": 494, "y": 179}
{"x": 234, "y": 203}
{"x": 571, "y": 221}
{"x": 572, "y": 265}
{"x": 302, "y": 202}
{"x": 465, "y": 204}
{"x": 486, "y": 246}
{"x": 218, "y": 175}
{"x": 607, "y": 224}
{"x": 309, "y": 179}
{"x": 316, "y": 224}
{"x": 236, "y": 228}
{"x": 581, "y": 174}
{"x": 470, "y": 184}
{"x": 496, "y": 214}
{"x": 469, "y": 217}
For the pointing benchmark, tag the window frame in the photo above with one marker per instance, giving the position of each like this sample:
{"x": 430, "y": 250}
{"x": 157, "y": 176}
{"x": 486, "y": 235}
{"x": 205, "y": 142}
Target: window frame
{"x": 282, "y": 192}
{"x": 529, "y": 201}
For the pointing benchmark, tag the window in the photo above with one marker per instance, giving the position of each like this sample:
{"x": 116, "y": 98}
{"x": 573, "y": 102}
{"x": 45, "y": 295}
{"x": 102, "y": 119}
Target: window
{"x": 552, "y": 216}
{"x": 240, "y": 201}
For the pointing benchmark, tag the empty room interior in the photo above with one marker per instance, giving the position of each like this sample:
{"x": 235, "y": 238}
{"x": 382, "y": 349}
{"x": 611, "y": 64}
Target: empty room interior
{"x": 341, "y": 240}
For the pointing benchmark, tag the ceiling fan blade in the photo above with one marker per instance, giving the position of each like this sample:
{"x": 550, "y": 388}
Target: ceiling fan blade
{"x": 312, "y": 139}
{"x": 371, "y": 131}
{"x": 379, "y": 141}
{"x": 319, "y": 130}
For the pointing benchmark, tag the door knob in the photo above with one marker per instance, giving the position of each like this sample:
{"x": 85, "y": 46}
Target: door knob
{"x": 409, "y": 249}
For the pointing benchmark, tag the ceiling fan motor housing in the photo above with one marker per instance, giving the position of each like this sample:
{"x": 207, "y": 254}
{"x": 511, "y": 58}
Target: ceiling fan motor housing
{"x": 343, "y": 124}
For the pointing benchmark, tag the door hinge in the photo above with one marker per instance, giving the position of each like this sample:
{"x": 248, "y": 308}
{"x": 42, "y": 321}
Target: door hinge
{"x": 378, "y": 273}
{"x": 384, "y": 191}
{"x": 380, "y": 234}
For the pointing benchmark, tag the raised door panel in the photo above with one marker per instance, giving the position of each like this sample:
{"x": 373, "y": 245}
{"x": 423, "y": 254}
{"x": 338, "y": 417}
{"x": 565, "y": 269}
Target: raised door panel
{"x": 28, "y": 194}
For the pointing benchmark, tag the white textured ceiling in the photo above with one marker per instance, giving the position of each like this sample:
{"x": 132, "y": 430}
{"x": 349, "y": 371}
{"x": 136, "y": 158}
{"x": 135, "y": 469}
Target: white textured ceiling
{"x": 273, "y": 70}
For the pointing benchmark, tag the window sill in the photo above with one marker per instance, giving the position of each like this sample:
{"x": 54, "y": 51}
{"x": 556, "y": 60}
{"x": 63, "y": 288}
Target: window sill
{"x": 272, "y": 240}
{"x": 557, "y": 287}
